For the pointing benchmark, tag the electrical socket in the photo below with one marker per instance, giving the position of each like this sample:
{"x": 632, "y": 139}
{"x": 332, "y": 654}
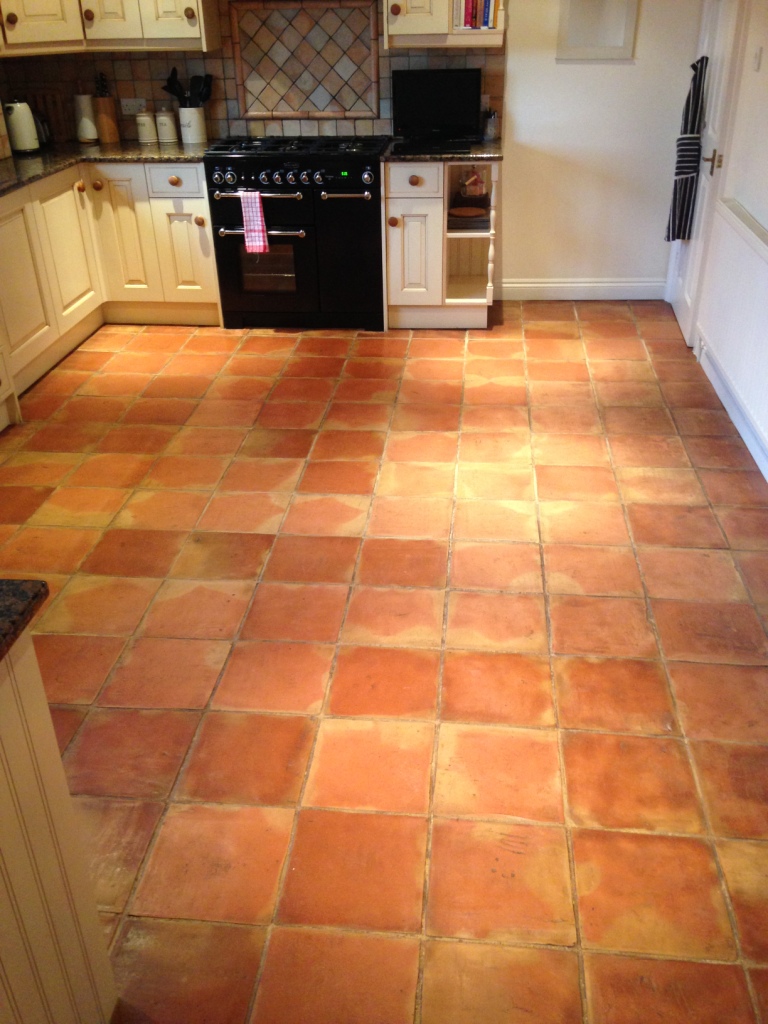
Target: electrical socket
{"x": 129, "y": 106}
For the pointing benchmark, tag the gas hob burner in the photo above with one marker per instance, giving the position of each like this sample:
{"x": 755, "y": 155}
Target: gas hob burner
{"x": 370, "y": 147}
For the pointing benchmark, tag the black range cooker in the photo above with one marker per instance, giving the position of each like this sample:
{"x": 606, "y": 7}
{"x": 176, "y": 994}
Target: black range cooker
{"x": 321, "y": 199}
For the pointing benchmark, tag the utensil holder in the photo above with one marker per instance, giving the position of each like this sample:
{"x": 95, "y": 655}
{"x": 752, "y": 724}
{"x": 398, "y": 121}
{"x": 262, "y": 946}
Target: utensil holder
{"x": 85, "y": 120}
{"x": 106, "y": 120}
{"x": 192, "y": 122}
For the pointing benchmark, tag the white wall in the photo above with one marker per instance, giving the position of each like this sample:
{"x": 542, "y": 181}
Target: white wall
{"x": 589, "y": 152}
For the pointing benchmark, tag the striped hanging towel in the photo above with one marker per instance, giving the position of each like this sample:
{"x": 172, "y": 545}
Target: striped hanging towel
{"x": 680, "y": 224}
{"x": 255, "y": 229}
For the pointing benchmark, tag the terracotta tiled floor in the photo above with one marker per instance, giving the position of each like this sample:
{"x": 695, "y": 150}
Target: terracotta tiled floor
{"x": 419, "y": 677}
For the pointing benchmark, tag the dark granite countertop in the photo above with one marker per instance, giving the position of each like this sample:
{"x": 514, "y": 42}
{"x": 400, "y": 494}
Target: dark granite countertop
{"x": 482, "y": 151}
{"x": 19, "y": 600}
{"x": 18, "y": 171}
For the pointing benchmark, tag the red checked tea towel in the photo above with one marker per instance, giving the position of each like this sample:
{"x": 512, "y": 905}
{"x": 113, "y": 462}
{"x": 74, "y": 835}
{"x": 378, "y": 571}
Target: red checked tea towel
{"x": 253, "y": 223}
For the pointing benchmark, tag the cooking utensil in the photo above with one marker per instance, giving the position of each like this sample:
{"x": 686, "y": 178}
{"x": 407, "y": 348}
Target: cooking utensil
{"x": 175, "y": 88}
{"x": 195, "y": 85}
{"x": 205, "y": 92}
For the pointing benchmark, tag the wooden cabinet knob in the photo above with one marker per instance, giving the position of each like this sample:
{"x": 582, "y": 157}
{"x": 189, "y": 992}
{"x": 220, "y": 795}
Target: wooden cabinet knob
{"x": 392, "y": 222}
{"x": 200, "y": 221}
{"x": 174, "y": 180}
{"x": 98, "y": 185}
{"x": 88, "y": 15}
{"x": 395, "y": 9}
{"x": 80, "y": 186}
{"x": 11, "y": 19}
{"x": 189, "y": 13}
{"x": 414, "y": 180}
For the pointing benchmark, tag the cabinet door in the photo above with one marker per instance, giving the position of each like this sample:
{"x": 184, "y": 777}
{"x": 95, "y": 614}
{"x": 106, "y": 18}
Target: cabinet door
{"x": 417, "y": 16}
{"x": 25, "y": 299}
{"x": 415, "y": 252}
{"x": 68, "y": 250}
{"x": 41, "y": 21}
{"x": 185, "y": 249}
{"x": 112, "y": 19}
{"x": 123, "y": 220}
{"x": 170, "y": 19}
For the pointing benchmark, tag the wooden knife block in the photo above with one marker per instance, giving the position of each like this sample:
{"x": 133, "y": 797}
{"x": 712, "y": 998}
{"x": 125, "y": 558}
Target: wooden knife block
{"x": 106, "y": 119}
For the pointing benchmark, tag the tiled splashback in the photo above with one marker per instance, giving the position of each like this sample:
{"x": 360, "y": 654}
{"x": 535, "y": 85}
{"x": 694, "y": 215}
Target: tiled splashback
{"x": 143, "y": 74}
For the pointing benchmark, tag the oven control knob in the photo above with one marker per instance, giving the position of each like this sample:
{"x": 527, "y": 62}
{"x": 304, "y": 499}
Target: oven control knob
{"x": 230, "y": 177}
{"x": 277, "y": 177}
{"x": 264, "y": 177}
{"x": 217, "y": 177}
{"x": 317, "y": 177}
{"x": 367, "y": 177}
{"x": 291, "y": 177}
{"x": 304, "y": 177}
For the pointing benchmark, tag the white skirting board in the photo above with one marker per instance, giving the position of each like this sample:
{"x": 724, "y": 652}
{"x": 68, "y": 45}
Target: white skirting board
{"x": 728, "y": 394}
{"x": 583, "y": 289}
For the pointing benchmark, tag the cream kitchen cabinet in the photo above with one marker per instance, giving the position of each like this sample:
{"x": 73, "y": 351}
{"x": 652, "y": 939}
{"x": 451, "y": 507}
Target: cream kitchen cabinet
{"x": 433, "y": 23}
{"x": 185, "y": 249}
{"x": 32, "y": 22}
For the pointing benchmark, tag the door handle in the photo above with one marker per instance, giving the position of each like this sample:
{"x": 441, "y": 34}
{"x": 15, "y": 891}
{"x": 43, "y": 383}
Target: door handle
{"x": 712, "y": 161}
{"x": 345, "y": 195}
{"x": 264, "y": 195}
{"x": 223, "y": 232}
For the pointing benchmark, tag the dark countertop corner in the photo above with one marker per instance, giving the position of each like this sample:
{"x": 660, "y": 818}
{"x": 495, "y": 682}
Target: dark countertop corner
{"x": 19, "y": 600}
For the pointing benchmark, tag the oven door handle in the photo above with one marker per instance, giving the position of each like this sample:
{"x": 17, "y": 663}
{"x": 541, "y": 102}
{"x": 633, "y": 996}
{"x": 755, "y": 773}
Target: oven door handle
{"x": 345, "y": 195}
{"x": 264, "y": 195}
{"x": 223, "y": 232}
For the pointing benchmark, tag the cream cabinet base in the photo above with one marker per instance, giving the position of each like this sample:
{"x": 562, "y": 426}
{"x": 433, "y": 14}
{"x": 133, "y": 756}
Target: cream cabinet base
{"x": 456, "y": 317}
{"x": 192, "y": 314}
{"x": 55, "y": 352}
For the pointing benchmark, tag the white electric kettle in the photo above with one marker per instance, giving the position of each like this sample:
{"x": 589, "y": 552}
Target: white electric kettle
{"x": 21, "y": 127}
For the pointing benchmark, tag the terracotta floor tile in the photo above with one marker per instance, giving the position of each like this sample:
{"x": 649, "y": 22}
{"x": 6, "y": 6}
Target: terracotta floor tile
{"x": 594, "y": 570}
{"x": 428, "y": 392}
{"x": 339, "y": 477}
{"x": 648, "y": 451}
{"x": 277, "y": 444}
{"x": 618, "y": 370}
{"x": 618, "y": 348}
{"x": 261, "y": 475}
{"x": 261, "y": 512}
{"x": 497, "y": 368}
{"x": 440, "y": 345}
{"x": 493, "y": 480}
{"x": 242, "y": 758}
{"x": 137, "y": 439}
{"x": 194, "y": 364}
{"x": 576, "y": 483}
{"x": 488, "y": 770}
{"x": 66, "y": 721}
{"x": 193, "y": 386}
{"x": 753, "y": 566}
{"x": 759, "y": 979}
{"x": 352, "y": 390}
{"x": 206, "y": 441}
{"x": 323, "y": 346}
{"x": 162, "y": 510}
{"x": 513, "y": 449}
{"x": 394, "y": 617}
{"x": 38, "y": 468}
{"x": 386, "y": 681}
{"x": 327, "y": 977}
{"x": 660, "y": 486}
{"x": 356, "y": 870}
{"x": 215, "y": 863}
{"x": 78, "y": 506}
{"x": 691, "y": 575}
{"x": 690, "y": 396}
{"x": 498, "y": 566}
{"x": 74, "y": 667}
{"x": 225, "y": 412}
{"x": 704, "y": 423}
{"x": 620, "y": 696}
{"x": 359, "y": 416}
{"x": 156, "y": 410}
{"x": 650, "y": 894}
{"x": 406, "y": 479}
{"x": 495, "y": 622}
{"x": 371, "y": 765}
{"x": 314, "y": 366}
{"x": 637, "y": 420}
{"x": 111, "y": 470}
{"x": 745, "y": 866}
{"x": 736, "y": 487}
{"x": 204, "y": 610}
{"x": 560, "y": 393}
{"x": 129, "y": 753}
{"x": 222, "y": 556}
{"x": 630, "y": 782}
{"x": 680, "y": 526}
{"x": 67, "y": 437}
{"x": 695, "y": 631}
{"x": 40, "y": 407}
{"x": 134, "y": 553}
{"x": 157, "y": 341}
{"x": 509, "y": 689}
{"x": 293, "y": 611}
{"x": 572, "y": 370}
{"x": 292, "y": 389}
{"x": 288, "y": 415}
{"x": 87, "y": 408}
{"x": 255, "y": 365}
{"x": 328, "y": 515}
{"x": 47, "y": 549}
{"x": 389, "y": 348}
{"x": 495, "y": 520}
{"x": 719, "y": 453}
{"x": 100, "y": 605}
{"x": 745, "y": 528}
{"x": 117, "y": 834}
{"x": 312, "y": 559}
{"x": 628, "y": 393}
{"x": 499, "y": 985}
{"x": 480, "y": 392}
{"x": 417, "y": 517}
{"x": 165, "y": 673}
{"x": 566, "y": 419}
{"x": 631, "y": 990}
{"x": 431, "y": 369}
{"x": 494, "y": 418}
{"x": 535, "y": 310}
{"x": 426, "y": 417}
{"x": 722, "y": 702}
{"x": 421, "y": 446}
{"x": 539, "y": 336}
{"x": 403, "y": 563}
{"x": 274, "y": 677}
{"x": 734, "y": 780}
{"x": 610, "y": 626}
{"x": 500, "y": 881}
{"x": 569, "y": 450}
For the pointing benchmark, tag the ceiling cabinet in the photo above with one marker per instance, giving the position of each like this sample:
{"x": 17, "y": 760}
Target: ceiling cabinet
{"x": 440, "y": 23}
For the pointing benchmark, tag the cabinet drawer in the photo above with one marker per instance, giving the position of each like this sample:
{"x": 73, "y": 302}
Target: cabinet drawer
{"x": 414, "y": 179}
{"x": 175, "y": 179}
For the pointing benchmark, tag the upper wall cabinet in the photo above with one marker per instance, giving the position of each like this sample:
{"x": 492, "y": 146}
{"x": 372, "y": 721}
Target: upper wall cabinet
{"x": 75, "y": 26}
{"x": 443, "y": 23}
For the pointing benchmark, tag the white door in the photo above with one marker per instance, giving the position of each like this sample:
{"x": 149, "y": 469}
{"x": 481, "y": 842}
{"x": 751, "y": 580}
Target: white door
{"x": 185, "y": 250}
{"x": 112, "y": 19}
{"x": 417, "y": 17}
{"x": 720, "y": 21}
{"x": 41, "y": 21}
{"x": 415, "y": 252}
{"x": 170, "y": 19}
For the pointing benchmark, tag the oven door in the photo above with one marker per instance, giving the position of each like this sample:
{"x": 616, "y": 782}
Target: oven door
{"x": 281, "y": 280}
{"x": 349, "y": 251}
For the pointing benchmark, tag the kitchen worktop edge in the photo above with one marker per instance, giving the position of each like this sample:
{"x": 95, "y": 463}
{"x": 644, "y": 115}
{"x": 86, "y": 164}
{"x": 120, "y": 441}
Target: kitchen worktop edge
{"x": 483, "y": 151}
{"x": 19, "y": 600}
{"x": 18, "y": 171}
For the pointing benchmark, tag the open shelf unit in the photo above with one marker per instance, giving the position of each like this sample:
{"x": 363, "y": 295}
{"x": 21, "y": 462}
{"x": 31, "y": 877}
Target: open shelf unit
{"x": 469, "y": 254}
